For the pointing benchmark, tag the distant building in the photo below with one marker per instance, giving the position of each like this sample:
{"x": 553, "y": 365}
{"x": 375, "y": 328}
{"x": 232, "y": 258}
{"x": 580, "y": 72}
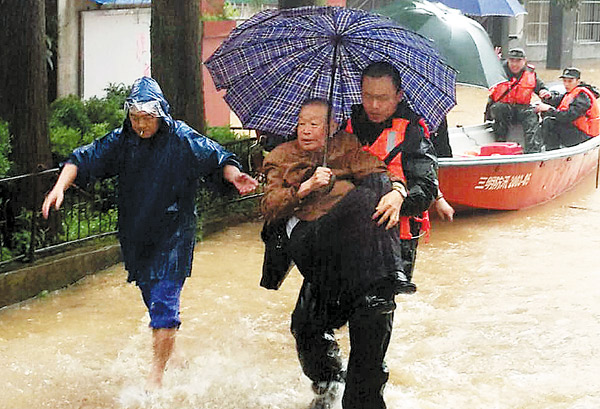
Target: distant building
{"x": 532, "y": 31}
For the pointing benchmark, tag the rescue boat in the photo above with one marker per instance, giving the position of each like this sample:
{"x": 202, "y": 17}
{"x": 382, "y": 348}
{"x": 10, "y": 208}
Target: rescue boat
{"x": 483, "y": 174}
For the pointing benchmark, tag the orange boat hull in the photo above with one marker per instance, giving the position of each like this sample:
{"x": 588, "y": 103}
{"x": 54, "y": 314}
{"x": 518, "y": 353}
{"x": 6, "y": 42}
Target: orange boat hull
{"x": 515, "y": 181}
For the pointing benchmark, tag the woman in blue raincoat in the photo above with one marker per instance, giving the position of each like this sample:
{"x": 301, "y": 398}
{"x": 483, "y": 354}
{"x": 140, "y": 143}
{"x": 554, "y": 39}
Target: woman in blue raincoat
{"x": 158, "y": 162}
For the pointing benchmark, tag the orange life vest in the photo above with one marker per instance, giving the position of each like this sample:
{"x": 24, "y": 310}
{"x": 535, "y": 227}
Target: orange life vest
{"x": 384, "y": 148}
{"x": 520, "y": 93}
{"x": 590, "y": 122}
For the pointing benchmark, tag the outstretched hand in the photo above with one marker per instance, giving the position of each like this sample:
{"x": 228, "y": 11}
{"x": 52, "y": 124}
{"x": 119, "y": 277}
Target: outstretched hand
{"x": 54, "y": 198}
{"x": 243, "y": 182}
{"x": 444, "y": 210}
{"x": 57, "y": 194}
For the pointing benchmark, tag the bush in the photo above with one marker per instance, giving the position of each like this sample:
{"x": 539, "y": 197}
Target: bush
{"x": 74, "y": 122}
{"x": 69, "y": 112}
{"x": 64, "y": 139}
{"x": 109, "y": 109}
{"x": 104, "y": 111}
{"x": 221, "y": 134}
{"x": 117, "y": 93}
{"x": 5, "y": 149}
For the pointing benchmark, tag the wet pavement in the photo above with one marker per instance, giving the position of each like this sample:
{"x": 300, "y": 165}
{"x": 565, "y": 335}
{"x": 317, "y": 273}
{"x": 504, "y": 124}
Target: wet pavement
{"x": 507, "y": 316}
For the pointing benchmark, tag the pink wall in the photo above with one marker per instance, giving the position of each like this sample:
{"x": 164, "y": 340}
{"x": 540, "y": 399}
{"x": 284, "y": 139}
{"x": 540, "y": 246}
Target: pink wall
{"x": 216, "y": 111}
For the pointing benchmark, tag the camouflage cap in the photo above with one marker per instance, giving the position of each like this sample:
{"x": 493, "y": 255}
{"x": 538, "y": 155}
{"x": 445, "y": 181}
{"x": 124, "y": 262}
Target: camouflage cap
{"x": 571, "y": 72}
{"x": 518, "y": 53}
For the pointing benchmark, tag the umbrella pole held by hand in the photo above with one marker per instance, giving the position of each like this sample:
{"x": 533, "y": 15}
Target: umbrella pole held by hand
{"x": 336, "y": 42}
{"x": 330, "y": 129}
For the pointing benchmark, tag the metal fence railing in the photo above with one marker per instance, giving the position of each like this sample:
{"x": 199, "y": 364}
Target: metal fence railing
{"x": 85, "y": 214}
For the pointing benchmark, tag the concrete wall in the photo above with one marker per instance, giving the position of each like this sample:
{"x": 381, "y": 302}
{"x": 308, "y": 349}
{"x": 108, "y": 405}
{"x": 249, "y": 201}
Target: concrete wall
{"x": 537, "y": 53}
{"x": 52, "y": 274}
{"x": 68, "y": 46}
{"x": 115, "y": 48}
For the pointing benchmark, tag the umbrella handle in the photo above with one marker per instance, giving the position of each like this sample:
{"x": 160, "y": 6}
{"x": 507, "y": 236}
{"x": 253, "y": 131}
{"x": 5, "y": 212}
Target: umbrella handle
{"x": 329, "y": 187}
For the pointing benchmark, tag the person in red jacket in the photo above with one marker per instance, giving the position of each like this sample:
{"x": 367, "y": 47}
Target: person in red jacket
{"x": 509, "y": 101}
{"x": 572, "y": 117}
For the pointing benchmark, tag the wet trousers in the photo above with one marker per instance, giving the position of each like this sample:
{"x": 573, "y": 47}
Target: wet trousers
{"x": 506, "y": 114}
{"x": 556, "y": 134}
{"x": 409, "y": 256}
{"x": 369, "y": 320}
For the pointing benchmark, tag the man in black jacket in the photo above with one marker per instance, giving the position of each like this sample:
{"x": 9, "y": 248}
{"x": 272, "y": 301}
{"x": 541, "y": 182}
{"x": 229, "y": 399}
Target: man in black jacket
{"x": 413, "y": 171}
{"x": 382, "y": 108}
{"x": 572, "y": 117}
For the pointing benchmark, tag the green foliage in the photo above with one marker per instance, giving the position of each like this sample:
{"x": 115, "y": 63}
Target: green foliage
{"x": 105, "y": 111}
{"x": 74, "y": 122}
{"x": 5, "y": 149}
{"x": 221, "y": 134}
{"x": 117, "y": 93}
{"x": 85, "y": 222}
{"x": 64, "y": 139}
{"x": 230, "y": 12}
{"x": 21, "y": 238}
{"x": 69, "y": 112}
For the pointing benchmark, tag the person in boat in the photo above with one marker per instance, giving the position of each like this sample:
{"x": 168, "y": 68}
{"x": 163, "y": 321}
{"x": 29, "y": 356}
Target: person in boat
{"x": 351, "y": 266}
{"x": 441, "y": 140}
{"x": 158, "y": 162}
{"x": 510, "y": 101}
{"x": 412, "y": 160}
{"x": 572, "y": 117}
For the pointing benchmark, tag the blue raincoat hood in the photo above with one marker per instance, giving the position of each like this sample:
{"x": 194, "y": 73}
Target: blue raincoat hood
{"x": 146, "y": 89}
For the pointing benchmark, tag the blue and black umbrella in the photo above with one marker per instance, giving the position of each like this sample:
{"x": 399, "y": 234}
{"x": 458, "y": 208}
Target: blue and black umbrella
{"x": 277, "y": 59}
{"x": 507, "y": 8}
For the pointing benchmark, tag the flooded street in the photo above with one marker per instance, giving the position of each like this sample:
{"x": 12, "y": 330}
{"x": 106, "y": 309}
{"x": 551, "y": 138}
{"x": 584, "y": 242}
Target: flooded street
{"x": 507, "y": 316}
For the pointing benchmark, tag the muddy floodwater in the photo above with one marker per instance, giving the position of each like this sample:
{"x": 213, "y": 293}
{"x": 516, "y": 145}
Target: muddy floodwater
{"x": 507, "y": 316}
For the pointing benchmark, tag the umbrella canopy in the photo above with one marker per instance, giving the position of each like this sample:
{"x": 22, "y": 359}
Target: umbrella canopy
{"x": 277, "y": 59}
{"x": 508, "y": 8}
{"x": 461, "y": 40}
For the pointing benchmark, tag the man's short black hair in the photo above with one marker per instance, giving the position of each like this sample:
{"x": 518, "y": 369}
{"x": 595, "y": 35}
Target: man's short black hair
{"x": 383, "y": 69}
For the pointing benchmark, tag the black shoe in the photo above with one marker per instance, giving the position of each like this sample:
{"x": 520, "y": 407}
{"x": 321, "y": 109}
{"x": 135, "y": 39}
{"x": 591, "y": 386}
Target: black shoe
{"x": 403, "y": 285}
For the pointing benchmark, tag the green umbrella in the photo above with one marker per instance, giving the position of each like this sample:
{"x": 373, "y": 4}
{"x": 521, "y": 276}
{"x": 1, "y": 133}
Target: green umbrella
{"x": 461, "y": 40}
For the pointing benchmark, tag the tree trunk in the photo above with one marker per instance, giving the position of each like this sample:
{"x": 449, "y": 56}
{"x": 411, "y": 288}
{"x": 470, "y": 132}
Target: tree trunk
{"x": 24, "y": 81}
{"x": 24, "y": 98}
{"x": 175, "y": 37}
{"x": 559, "y": 50}
{"x": 51, "y": 54}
